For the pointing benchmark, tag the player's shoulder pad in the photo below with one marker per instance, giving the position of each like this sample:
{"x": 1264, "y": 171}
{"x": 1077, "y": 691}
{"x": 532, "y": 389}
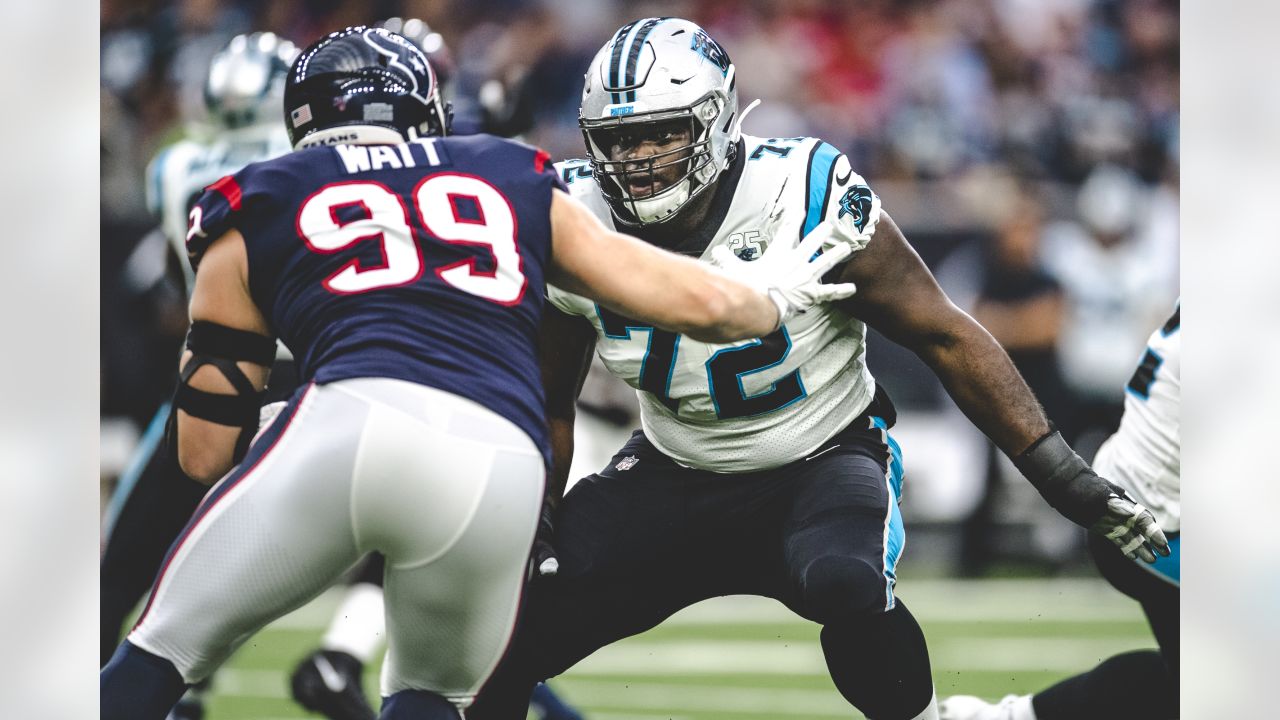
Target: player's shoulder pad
{"x": 848, "y": 199}
{"x": 567, "y": 302}
{"x": 577, "y": 176}
{"x": 827, "y": 188}
{"x": 503, "y": 151}
{"x": 226, "y": 202}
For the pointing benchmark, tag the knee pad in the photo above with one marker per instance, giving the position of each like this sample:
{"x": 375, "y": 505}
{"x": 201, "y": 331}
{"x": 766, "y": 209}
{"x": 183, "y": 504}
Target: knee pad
{"x": 838, "y": 588}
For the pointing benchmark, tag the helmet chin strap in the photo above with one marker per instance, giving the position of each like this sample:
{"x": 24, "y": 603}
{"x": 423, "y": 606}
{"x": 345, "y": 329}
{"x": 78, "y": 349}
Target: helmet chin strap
{"x": 351, "y": 135}
{"x": 662, "y": 206}
{"x": 737, "y": 127}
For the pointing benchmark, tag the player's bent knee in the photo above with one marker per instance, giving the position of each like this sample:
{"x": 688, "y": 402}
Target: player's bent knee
{"x": 836, "y": 588}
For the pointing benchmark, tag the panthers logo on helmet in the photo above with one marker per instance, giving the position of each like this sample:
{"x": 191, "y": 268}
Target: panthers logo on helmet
{"x": 710, "y": 49}
{"x": 856, "y": 203}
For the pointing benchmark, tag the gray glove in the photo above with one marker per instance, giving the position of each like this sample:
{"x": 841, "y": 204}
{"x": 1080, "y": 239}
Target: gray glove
{"x": 1076, "y": 491}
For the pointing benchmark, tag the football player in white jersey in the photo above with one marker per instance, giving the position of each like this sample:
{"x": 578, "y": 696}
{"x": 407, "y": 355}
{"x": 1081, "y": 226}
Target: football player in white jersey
{"x": 243, "y": 91}
{"x": 1142, "y": 457}
{"x": 765, "y": 466}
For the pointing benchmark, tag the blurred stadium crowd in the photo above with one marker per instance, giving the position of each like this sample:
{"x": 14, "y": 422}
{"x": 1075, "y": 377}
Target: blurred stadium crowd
{"x": 1028, "y": 148}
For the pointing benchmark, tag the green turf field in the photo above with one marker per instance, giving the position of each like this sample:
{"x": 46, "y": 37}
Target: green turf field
{"x": 749, "y": 658}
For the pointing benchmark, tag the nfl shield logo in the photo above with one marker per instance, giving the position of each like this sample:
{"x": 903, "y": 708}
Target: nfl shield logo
{"x": 627, "y": 462}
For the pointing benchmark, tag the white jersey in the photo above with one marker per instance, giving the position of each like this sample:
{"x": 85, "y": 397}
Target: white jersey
{"x": 1143, "y": 455}
{"x": 753, "y": 404}
{"x": 180, "y": 172}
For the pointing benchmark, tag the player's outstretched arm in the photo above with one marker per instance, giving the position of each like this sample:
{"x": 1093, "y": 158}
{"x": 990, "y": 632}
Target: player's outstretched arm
{"x": 224, "y": 368}
{"x": 898, "y": 296}
{"x": 673, "y": 292}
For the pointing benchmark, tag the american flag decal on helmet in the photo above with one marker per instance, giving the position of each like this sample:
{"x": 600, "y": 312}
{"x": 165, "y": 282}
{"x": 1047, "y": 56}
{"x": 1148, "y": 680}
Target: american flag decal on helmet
{"x": 301, "y": 116}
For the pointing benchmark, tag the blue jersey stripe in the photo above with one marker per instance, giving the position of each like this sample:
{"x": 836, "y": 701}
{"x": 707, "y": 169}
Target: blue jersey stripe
{"x": 896, "y": 537}
{"x": 1168, "y": 567}
{"x": 821, "y": 162}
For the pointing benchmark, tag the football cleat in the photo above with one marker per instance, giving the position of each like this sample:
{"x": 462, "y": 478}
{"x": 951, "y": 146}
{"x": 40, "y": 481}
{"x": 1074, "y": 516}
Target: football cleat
{"x": 329, "y": 682}
{"x": 967, "y": 707}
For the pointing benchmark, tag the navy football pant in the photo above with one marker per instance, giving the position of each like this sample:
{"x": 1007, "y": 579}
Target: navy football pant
{"x": 1143, "y": 683}
{"x": 646, "y": 537}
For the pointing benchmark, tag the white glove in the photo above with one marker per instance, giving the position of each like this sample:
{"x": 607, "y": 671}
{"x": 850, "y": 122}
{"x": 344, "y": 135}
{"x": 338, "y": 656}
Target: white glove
{"x": 791, "y": 275}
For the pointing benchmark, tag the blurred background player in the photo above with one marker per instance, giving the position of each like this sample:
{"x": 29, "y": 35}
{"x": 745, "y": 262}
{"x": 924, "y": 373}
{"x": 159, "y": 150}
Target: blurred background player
{"x": 243, "y": 91}
{"x": 1142, "y": 457}
{"x": 762, "y": 467}
{"x": 372, "y": 454}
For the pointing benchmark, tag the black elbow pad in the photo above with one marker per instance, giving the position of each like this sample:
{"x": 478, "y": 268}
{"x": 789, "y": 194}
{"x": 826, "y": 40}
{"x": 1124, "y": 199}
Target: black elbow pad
{"x": 222, "y": 347}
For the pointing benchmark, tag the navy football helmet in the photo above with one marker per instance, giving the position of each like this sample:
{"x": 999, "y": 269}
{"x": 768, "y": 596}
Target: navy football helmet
{"x": 363, "y": 85}
{"x": 430, "y": 42}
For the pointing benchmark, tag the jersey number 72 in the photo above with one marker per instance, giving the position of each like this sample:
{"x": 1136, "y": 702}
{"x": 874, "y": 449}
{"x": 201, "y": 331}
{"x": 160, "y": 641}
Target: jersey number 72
{"x": 725, "y": 369}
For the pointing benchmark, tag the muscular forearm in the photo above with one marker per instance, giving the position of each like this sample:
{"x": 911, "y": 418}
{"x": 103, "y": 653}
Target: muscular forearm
{"x": 561, "y": 433}
{"x": 986, "y": 386}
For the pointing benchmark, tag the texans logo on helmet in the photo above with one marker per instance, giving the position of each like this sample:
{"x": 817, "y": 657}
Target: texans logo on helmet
{"x": 857, "y": 203}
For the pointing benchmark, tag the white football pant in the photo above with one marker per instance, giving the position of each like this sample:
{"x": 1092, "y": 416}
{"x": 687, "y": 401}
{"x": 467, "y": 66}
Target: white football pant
{"x": 446, "y": 489}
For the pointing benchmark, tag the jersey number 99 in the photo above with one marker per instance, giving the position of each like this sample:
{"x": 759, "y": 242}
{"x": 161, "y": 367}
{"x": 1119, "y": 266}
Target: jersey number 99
{"x": 380, "y": 215}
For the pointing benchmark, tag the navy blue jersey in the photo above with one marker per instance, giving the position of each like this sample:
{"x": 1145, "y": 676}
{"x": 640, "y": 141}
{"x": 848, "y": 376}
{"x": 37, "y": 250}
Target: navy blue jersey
{"x": 423, "y": 261}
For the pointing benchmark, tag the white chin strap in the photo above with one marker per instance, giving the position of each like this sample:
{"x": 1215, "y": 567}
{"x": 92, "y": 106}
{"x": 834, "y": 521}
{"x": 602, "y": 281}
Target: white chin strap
{"x": 737, "y": 126}
{"x": 351, "y": 135}
{"x": 662, "y": 205}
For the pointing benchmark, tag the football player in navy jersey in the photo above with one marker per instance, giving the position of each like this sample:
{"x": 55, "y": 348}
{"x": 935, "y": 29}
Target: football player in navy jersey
{"x": 762, "y": 466}
{"x": 406, "y": 272}
{"x": 243, "y": 90}
{"x": 329, "y": 680}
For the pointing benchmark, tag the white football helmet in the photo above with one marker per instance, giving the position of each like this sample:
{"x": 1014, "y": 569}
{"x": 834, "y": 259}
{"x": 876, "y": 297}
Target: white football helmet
{"x": 245, "y": 84}
{"x": 651, "y": 71}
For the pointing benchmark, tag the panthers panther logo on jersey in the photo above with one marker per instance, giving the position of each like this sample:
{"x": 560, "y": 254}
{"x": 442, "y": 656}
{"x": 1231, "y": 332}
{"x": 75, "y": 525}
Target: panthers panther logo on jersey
{"x": 758, "y": 403}
{"x": 856, "y": 204}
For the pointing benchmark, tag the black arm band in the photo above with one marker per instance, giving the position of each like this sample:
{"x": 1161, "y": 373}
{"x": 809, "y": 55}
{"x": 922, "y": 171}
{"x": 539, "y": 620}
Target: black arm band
{"x": 1065, "y": 479}
{"x": 233, "y": 410}
{"x": 212, "y": 339}
{"x": 1049, "y": 463}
